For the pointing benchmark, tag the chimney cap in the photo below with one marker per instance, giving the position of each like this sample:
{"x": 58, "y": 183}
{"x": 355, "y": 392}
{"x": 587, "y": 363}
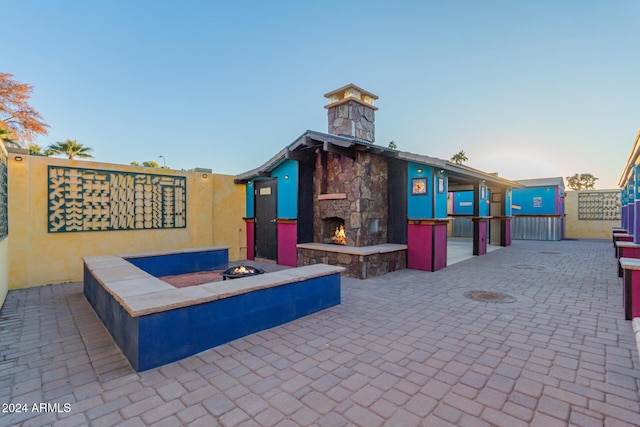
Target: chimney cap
{"x": 348, "y": 93}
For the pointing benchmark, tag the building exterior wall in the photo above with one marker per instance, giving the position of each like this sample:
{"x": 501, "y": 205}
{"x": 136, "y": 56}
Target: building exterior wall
{"x": 600, "y": 213}
{"x": 536, "y": 201}
{"x": 4, "y": 236}
{"x": 38, "y": 256}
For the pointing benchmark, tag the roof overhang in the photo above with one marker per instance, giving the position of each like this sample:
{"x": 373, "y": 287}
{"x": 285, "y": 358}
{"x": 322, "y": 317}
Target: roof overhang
{"x": 305, "y": 148}
{"x": 627, "y": 172}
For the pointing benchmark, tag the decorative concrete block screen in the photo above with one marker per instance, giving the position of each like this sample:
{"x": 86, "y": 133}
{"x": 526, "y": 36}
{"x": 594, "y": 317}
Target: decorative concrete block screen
{"x": 599, "y": 206}
{"x": 98, "y": 200}
{"x": 4, "y": 217}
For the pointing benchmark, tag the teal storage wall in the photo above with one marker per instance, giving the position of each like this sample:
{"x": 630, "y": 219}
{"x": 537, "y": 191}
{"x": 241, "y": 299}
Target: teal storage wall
{"x": 250, "y": 188}
{"x": 420, "y": 206}
{"x": 535, "y": 201}
{"x": 462, "y": 202}
{"x": 287, "y": 175}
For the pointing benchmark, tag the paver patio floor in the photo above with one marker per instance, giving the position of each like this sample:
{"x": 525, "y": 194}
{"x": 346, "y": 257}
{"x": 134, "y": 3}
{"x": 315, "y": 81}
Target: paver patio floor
{"x": 407, "y": 348}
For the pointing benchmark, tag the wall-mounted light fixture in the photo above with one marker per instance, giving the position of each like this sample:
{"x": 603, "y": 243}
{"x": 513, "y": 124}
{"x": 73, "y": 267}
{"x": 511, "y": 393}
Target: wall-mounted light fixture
{"x": 204, "y": 175}
{"x": 419, "y": 171}
{"x": 441, "y": 171}
{"x": 286, "y": 177}
{"x": 18, "y": 158}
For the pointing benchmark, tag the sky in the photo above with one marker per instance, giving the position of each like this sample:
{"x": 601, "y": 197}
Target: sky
{"x": 528, "y": 89}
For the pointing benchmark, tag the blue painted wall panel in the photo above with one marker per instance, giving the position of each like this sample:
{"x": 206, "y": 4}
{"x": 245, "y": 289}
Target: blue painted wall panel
{"x": 122, "y": 327}
{"x": 535, "y": 201}
{"x": 420, "y": 206}
{"x": 210, "y": 324}
{"x": 287, "y": 189}
{"x": 250, "y": 204}
{"x": 463, "y": 203}
{"x": 190, "y": 262}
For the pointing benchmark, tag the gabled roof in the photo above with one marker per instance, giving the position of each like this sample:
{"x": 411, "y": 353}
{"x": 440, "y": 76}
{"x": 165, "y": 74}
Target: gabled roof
{"x": 304, "y": 149}
{"x": 543, "y": 182}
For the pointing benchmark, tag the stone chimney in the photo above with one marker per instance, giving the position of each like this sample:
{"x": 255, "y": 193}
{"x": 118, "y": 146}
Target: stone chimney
{"x": 351, "y": 112}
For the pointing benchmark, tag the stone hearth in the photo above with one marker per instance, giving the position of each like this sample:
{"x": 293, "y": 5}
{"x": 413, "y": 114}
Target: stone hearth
{"x": 360, "y": 263}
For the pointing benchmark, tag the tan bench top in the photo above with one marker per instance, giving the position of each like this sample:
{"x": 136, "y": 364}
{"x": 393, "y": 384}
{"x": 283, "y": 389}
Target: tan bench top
{"x": 630, "y": 263}
{"x": 627, "y": 245}
{"x": 353, "y": 250}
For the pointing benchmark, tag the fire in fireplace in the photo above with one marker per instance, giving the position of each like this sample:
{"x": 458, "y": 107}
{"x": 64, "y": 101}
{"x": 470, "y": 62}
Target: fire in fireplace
{"x": 339, "y": 237}
{"x": 333, "y": 231}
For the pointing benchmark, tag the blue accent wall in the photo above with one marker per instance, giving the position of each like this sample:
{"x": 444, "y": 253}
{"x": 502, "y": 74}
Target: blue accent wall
{"x": 250, "y": 189}
{"x": 188, "y": 262}
{"x": 536, "y": 201}
{"x": 636, "y": 175}
{"x": 463, "y": 203}
{"x": 484, "y": 200}
{"x": 421, "y": 206}
{"x": 287, "y": 189}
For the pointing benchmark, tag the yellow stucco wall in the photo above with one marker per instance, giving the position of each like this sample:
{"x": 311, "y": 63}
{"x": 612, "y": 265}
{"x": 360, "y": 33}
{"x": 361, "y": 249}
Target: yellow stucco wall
{"x": 4, "y": 269}
{"x": 4, "y": 252}
{"x": 37, "y": 257}
{"x": 585, "y": 229}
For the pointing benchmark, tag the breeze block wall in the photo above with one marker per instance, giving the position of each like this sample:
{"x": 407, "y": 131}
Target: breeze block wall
{"x": 61, "y": 210}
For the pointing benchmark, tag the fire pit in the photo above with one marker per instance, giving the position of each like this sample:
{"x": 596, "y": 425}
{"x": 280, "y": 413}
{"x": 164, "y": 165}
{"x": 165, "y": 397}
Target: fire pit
{"x": 241, "y": 271}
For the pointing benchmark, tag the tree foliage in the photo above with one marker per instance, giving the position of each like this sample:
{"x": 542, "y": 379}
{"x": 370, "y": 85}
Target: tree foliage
{"x": 459, "y": 158}
{"x": 582, "y": 181}
{"x": 20, "y": 122}
{"x": 35, "y": 149}
{"x": 70, "y": 148}
{"x": 147, "y": 164}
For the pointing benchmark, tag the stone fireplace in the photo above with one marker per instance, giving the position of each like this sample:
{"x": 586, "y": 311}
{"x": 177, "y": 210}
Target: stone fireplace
{"x": 353, "y": 191}
{"x": 350, "y": 190}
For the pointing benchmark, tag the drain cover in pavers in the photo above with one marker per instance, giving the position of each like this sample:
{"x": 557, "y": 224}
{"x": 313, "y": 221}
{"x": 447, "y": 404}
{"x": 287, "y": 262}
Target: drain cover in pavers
{"x": 527, "y": 267}
{"x": 486, "y": 296}
{"x": 549, "y": 252}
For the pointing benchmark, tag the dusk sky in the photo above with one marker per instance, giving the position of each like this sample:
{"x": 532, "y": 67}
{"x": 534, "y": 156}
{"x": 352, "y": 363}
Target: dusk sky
{"x": 529, "y": 89}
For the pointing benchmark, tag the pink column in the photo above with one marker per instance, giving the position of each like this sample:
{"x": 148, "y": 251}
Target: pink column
{"x": 250, "y": 238}
{"x": 287, "y": 241}
{"x": 480, "y": 235}
{"x": 427, "y": 244}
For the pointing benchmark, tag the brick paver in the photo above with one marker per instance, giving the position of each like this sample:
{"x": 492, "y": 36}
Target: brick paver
{"x": 407, "y": 348}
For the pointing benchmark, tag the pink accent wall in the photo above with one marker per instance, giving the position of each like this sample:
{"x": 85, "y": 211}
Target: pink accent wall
{"x": 440, "y": 246}
{"x": 631, "y": 293}
{"x": 287, "y": 240}
{"x": 427, "y": 246}
{"x": 419, "y": 247}
{"x": 507, "y": 232}
{"x": 482, "y": 238}
{"x": 250, "y": 239}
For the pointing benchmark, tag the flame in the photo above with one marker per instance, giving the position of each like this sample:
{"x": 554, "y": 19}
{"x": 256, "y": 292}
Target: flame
{"x": 242, "y": 270}
{"x": 339, "y": 237}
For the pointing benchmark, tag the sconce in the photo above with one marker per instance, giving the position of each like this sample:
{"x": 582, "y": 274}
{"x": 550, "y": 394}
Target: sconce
{"x": 204, "y": 175}
{"x": 419, "y": 171}
{"x": 18, "y": 158}
{"x": 441, "y": 171}
{"x": 286, "y": 177}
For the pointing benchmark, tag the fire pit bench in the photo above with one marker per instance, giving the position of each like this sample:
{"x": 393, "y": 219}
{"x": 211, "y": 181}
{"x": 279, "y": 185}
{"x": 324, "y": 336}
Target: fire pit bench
{"x": 154, "y": 323}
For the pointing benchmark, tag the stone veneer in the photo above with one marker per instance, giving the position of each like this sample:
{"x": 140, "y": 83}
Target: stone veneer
{"x": 352, "y": 119}
{"x": 360, "y": 263}
{"x": 355, "y": 191}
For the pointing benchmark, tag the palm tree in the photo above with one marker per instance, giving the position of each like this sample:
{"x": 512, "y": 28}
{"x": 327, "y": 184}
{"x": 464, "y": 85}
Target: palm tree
{"x": 36, "y": 150}
{"x": 70, "y": 148}
{"x": 459, "y": 158}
